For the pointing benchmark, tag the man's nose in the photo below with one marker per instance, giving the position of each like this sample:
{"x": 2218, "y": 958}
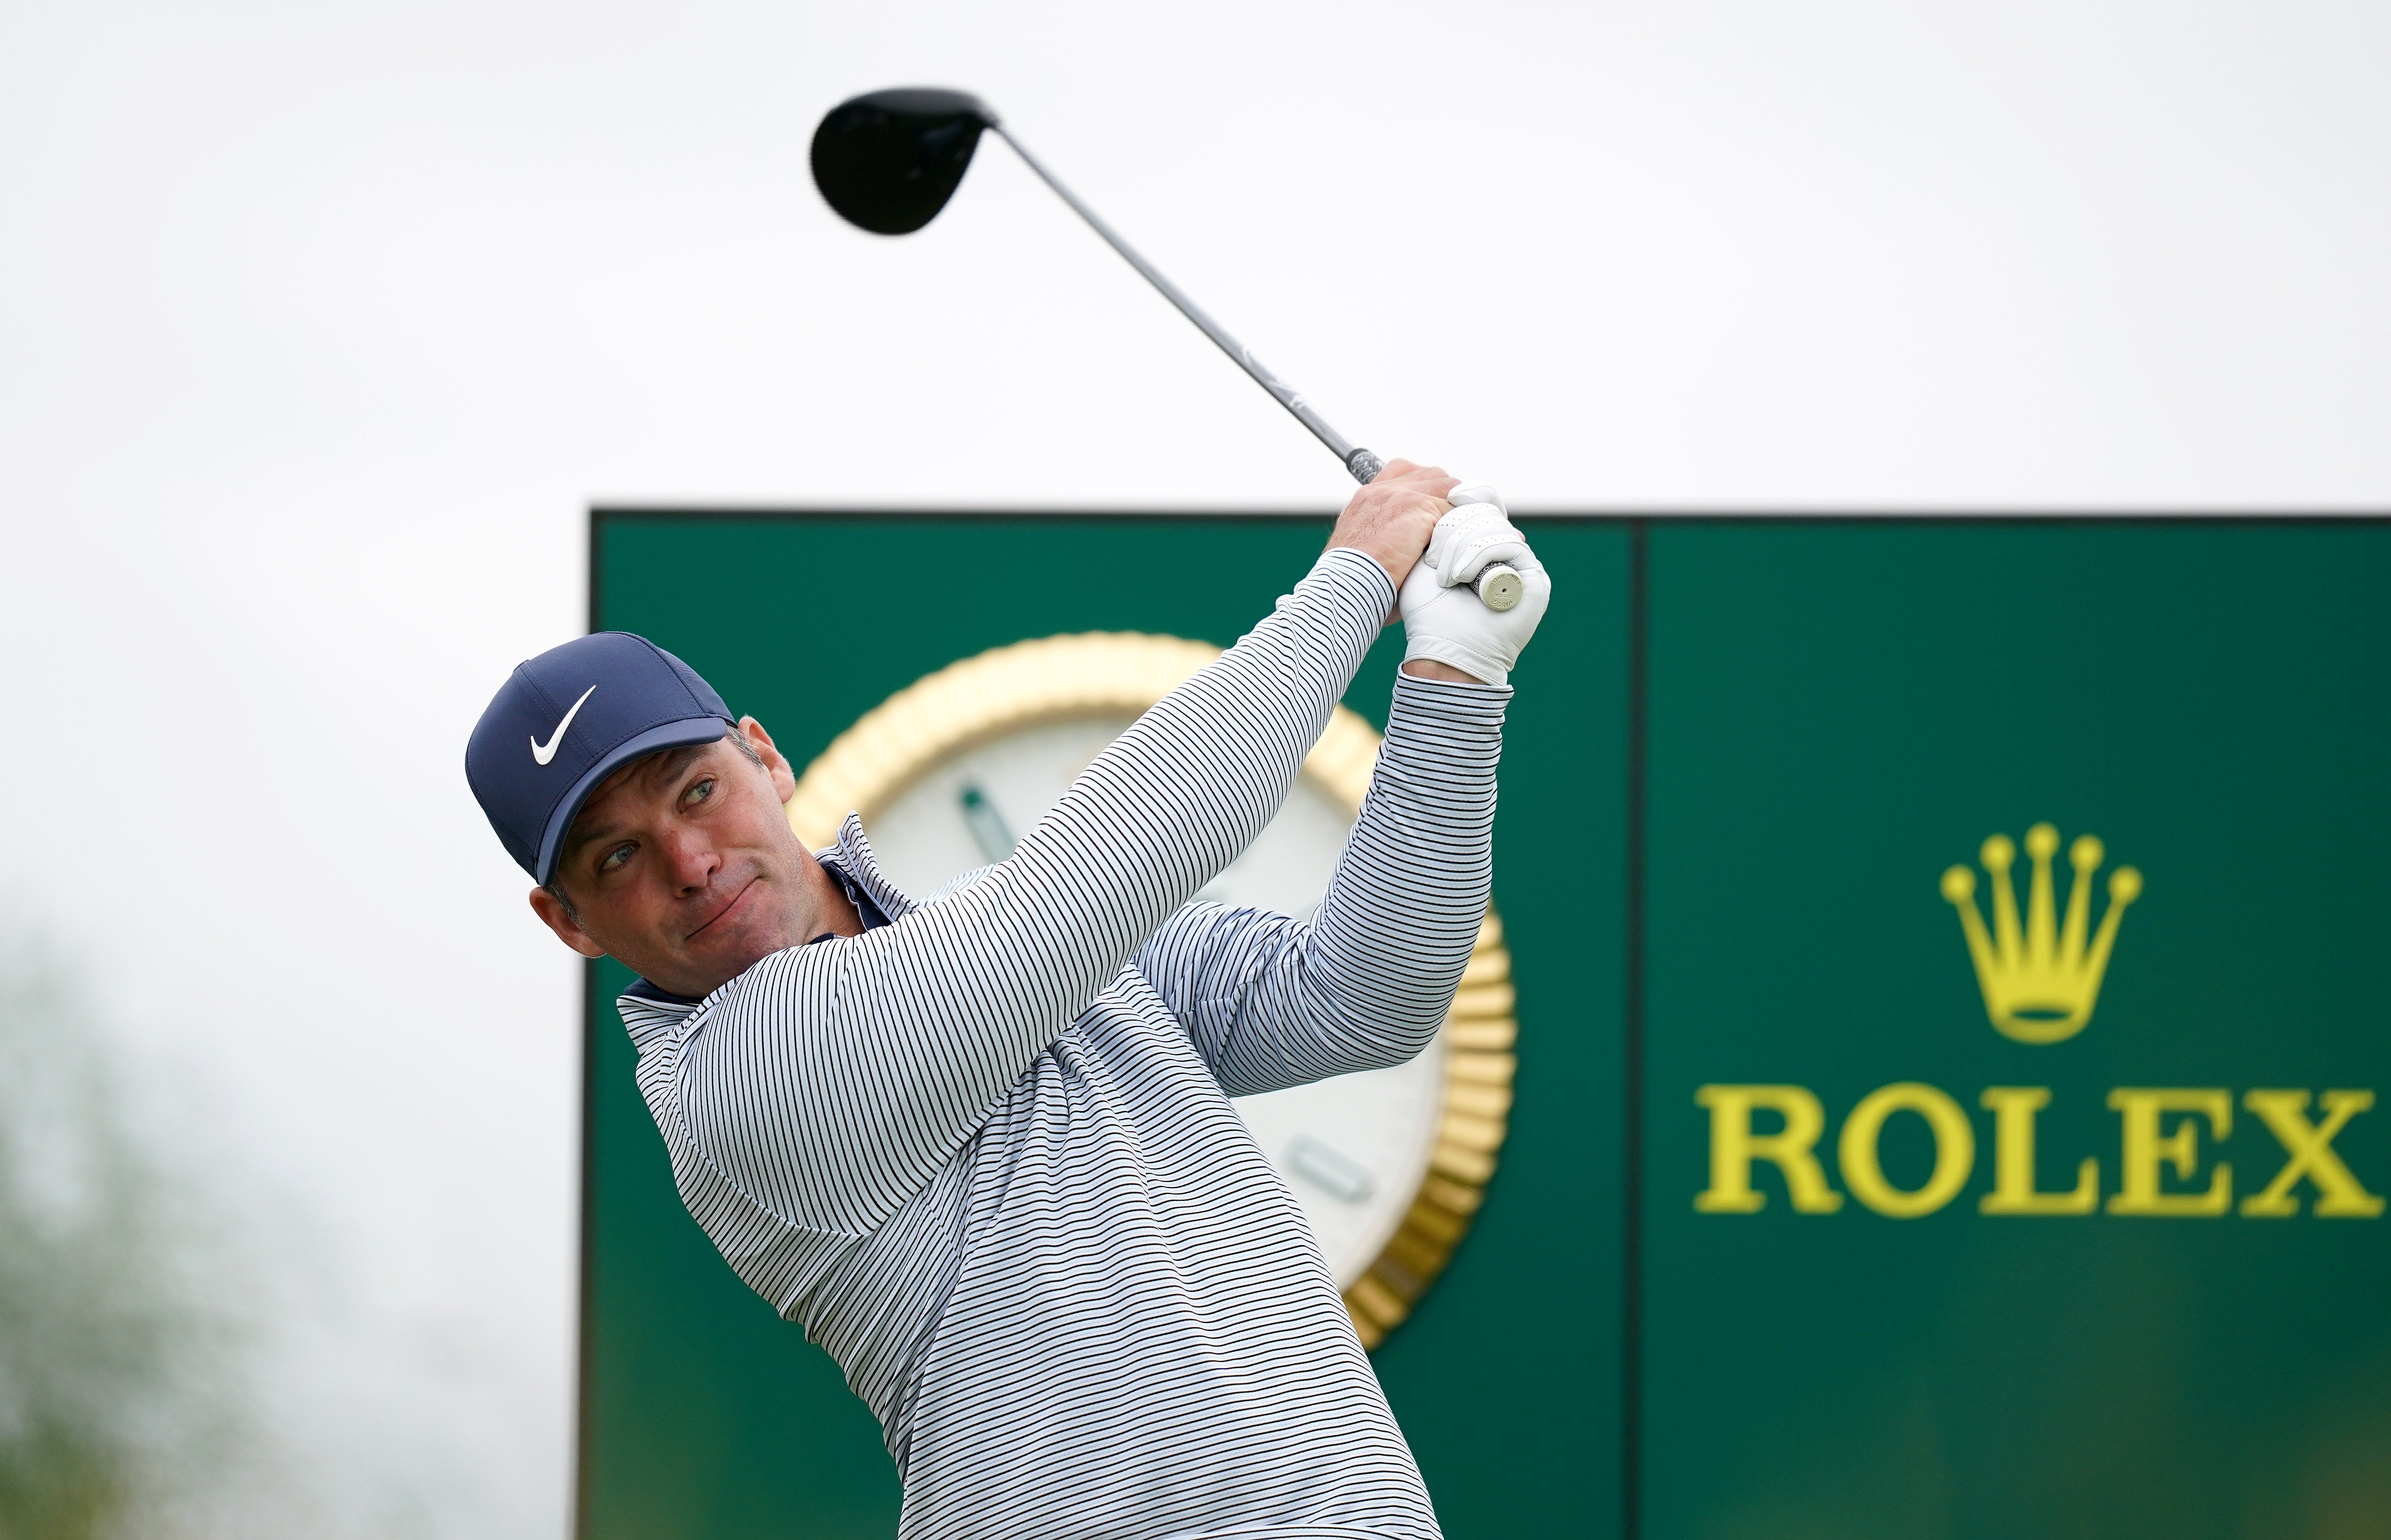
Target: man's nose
{"x": 692, "y": 860}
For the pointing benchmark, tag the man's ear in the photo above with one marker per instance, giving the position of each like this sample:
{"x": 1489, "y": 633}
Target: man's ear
{"x": 568, "y": 930}
{"x": 776, "y": 765}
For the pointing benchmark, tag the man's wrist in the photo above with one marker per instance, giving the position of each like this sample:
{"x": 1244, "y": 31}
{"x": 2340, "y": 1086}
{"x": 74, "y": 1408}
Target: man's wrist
{"x": 1381, "y": 559}
{"x": 1430, "y": 668}
{"x": 1467, "y": 665}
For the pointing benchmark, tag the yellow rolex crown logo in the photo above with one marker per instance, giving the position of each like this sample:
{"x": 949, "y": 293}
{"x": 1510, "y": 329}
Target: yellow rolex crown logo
{"x": 2040, "y": 984}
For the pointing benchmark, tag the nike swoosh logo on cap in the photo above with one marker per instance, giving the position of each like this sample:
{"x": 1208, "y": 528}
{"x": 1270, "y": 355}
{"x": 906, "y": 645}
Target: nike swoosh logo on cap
{"x": 542, "y": 753}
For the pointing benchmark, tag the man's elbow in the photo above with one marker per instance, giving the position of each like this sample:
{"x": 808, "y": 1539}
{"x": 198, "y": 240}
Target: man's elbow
{"x": 1394, "y": 1033}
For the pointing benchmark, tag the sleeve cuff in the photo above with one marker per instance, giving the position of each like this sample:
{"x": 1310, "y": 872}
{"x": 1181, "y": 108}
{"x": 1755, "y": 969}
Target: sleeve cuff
{"x": 1452, "y": 700}
{"x": 1353, "y": 568}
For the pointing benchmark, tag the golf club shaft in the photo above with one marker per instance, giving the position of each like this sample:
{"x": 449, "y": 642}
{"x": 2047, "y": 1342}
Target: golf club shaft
{"x": 1361, "y": 462}
{"x": 1498, "y": 586}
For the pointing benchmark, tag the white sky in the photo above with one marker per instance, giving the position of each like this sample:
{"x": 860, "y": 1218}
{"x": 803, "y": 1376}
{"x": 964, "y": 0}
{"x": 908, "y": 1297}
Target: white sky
{"x": 321, "y": 327}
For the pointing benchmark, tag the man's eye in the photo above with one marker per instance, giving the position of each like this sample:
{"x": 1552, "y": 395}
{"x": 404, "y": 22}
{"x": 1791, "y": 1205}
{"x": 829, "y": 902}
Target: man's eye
{"x": 699, "y": 792}
{"x": 613, "y": 860}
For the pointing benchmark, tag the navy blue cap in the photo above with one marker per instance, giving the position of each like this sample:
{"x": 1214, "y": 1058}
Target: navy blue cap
{"x": 568, "y": 718}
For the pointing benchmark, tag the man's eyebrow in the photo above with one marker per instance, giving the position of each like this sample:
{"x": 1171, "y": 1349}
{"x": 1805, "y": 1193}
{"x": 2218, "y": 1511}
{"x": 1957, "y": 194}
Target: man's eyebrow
{"x": 670, "y": 763}
{"x": 579, "y": 837}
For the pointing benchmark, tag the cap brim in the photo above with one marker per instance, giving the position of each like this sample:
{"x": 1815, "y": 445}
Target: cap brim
{"x": 680, "y": 734}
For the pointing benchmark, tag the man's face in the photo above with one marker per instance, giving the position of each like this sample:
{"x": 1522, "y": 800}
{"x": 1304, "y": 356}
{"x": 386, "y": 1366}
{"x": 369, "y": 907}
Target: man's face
{"x": 682, "y": 866}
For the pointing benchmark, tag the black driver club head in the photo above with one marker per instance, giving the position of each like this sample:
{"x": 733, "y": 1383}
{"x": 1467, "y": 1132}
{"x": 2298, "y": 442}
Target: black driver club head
{"x": 888, "y": 161}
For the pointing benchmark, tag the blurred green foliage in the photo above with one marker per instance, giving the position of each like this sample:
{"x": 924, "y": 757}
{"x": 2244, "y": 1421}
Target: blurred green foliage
{"x": 103, "y": 1355}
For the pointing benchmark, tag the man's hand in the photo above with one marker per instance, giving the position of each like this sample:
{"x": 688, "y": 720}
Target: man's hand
{"x": 1390, "y": 519}
{"x": 1449, "y": 631}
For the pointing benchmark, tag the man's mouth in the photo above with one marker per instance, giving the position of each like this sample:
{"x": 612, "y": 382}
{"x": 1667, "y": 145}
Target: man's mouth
{"x": 736, "y": 899}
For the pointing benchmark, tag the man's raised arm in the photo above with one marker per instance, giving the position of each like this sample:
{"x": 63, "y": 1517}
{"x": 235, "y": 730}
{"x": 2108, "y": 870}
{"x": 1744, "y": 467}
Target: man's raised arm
{"x": 865, "y": 1062}
{"x": 1271, "y": 1002}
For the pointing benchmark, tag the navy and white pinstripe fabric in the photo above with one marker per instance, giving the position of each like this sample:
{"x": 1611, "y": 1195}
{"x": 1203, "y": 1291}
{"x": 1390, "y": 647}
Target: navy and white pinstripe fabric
{"x": 985, "y": 1154}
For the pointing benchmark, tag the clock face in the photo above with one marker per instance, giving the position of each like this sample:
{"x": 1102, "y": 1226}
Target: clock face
{"x": 1354, "y": 1149}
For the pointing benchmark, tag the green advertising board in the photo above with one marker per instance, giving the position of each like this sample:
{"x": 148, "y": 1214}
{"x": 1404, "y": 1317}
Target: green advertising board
{"x": 1947, "y": 961}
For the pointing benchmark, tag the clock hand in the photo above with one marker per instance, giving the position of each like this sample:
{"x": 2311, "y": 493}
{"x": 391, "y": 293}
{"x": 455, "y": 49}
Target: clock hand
{"x": 987, "y": 825}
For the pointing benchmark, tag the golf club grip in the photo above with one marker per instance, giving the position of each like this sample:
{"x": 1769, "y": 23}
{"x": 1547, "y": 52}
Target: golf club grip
{"x": 1500, "y": 588}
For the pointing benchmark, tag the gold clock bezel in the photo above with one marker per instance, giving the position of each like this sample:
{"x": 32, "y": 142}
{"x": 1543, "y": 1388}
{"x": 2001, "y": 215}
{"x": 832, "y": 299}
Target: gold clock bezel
{"x": 1112, "y": 673}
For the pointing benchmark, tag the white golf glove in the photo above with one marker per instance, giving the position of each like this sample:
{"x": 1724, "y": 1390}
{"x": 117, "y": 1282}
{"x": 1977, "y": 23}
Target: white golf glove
{"x": 1443, "y": 617}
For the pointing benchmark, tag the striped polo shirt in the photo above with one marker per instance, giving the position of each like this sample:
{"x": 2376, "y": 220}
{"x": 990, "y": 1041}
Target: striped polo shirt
{"x": 985, "y": 1153}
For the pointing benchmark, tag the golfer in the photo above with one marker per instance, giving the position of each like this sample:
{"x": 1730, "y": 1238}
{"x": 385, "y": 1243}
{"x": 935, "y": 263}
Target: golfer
{"x": 980, "y": 1144}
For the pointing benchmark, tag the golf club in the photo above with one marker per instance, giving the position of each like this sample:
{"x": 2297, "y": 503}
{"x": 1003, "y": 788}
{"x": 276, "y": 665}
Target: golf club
{"x": 888, "y": 162}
